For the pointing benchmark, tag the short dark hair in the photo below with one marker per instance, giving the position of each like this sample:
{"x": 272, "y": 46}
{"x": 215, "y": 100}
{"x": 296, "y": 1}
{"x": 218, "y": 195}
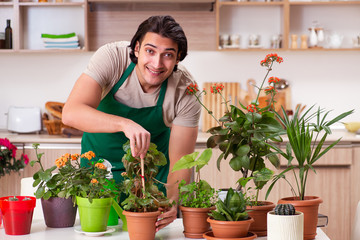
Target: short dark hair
{"x": 166, "y": 26}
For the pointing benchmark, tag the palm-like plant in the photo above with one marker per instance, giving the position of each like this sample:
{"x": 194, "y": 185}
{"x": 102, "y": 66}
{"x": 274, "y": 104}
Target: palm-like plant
{"x": 305, "y": 144}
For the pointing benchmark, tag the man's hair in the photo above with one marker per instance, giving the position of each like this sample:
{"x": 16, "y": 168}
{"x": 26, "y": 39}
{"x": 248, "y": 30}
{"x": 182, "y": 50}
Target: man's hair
{"x": 165, "y": 26}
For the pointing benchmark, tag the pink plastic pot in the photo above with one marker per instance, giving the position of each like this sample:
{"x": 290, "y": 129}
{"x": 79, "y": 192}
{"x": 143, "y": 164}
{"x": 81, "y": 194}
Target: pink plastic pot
{"x": 17, "y": 215}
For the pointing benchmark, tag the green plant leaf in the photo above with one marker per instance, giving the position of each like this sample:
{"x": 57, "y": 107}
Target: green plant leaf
{"x": 186, "y": 162}
{"x": 243, "y": 150}
{"x": 274, "y": 159}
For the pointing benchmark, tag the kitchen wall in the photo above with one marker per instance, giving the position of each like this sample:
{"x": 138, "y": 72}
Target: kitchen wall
{"x": 327, "y": 78}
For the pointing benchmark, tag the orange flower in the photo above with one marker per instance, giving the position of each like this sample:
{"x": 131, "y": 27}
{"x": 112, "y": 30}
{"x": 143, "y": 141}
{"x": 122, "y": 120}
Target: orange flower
{"x": 192, "y": 89}
{"x": 66, "y": 155}
{"x": 94, "y": 181}
{"x": 59, "y": 163}
{"x": 271, "y": 58}
{"x": 75, "y": 156}
{"x": 88, "y": 155}
{"x": 216, "y": 88}
{"x": 251, "y": 108}
{"x": 64, "y": 159}
{"x": 100, "y": 166}
{"x": 273, "y": 80}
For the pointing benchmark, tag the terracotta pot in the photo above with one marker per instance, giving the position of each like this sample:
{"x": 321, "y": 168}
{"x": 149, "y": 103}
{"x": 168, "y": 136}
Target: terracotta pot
{"x": 285, "y": 227}
{"x": 230, "y": 229}
{"x": 310, "y": 208}
{"x": 59, "y": 212}
{"x": 259, "y": 214}
{"x": 195, "y": 221}
{"x": 141, "y": 225}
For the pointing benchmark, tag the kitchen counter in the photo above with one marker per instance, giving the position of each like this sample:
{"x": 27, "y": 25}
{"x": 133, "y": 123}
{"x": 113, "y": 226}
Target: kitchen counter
{"x": 43, "y": 137}
{"x": 39, "y": 231}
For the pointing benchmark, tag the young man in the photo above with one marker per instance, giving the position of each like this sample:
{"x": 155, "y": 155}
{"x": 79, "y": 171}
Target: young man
{"x": 137, "y": 92}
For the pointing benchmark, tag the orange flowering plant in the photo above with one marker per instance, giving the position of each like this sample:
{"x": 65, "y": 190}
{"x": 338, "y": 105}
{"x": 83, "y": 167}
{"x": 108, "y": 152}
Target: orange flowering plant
{"x": 242, "y": 132}
{"x": 71, "y": 179}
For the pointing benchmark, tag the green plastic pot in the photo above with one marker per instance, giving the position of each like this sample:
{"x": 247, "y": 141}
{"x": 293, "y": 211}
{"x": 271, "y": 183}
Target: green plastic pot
{"x": 94, "y": 216}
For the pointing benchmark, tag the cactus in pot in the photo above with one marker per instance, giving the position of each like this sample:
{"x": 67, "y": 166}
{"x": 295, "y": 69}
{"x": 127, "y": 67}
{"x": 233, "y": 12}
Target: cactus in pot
{"x": 284, "y": 223}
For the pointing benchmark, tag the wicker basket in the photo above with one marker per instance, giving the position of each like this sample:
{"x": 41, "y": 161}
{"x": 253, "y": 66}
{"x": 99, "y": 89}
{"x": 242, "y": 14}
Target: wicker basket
{"x": 53, "y": 126}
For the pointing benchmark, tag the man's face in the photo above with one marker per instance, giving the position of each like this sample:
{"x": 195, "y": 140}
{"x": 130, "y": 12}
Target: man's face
{"x": 157, "y": 57}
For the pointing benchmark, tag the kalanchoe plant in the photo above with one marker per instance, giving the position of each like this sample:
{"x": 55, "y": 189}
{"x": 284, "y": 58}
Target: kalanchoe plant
{"x": 8, "y": 161}
{"x": 243, "y": 132}
{"x": 305, "y": 145}
{"x": 73, "y": 180}
{"x": 197, "y": 194}
{"x": 233, "y": 208}
{"x": 140, "y": 200}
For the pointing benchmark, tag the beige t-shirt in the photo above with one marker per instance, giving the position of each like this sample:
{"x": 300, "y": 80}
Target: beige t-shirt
{"x": 110, "y": 61}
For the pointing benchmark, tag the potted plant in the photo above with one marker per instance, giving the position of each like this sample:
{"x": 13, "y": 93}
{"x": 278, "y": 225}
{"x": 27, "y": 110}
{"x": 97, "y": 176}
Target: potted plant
{"x": 230, "y": 219}
{"x": 258, "y": 209}
{"x": 17, "y": 212}
{"x": 243, "y": 132}
{"x": 56, "y": 200}
{"x": 95, "y": 193}
{"x": 8, "y": 161}
{"x": 306, "y": 138}
{"x": 284, "y": 223}
{"x": 197, "y": 198}
{"x": 143, "y": 196}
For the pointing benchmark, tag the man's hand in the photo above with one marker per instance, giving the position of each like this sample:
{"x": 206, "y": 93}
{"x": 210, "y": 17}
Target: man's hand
{"x": 167, "y": 217}
{"x": 139, "y": 138}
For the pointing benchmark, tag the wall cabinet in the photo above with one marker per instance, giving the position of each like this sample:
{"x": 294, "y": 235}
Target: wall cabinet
{"x": 100, "y": 21}
{"x": 267, "y": 20}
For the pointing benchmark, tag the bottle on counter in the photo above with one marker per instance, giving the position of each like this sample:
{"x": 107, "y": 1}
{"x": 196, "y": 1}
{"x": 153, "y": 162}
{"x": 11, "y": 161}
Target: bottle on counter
{"x": 8, "y": 35}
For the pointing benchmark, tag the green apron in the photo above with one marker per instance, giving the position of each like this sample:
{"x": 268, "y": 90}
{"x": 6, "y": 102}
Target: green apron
{"x": 109, "y": 145}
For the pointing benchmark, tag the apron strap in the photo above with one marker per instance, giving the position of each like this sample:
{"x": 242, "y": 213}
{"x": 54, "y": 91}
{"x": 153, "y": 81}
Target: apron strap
{"x": 125, "y": 75}
{"x": 162, "y": 93}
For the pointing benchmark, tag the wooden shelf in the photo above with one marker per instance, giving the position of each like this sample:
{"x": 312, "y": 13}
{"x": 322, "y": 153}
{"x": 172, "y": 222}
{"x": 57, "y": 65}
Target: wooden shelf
{"x": 51, "y": 4}
{"x": 250, "y": 3}
{"x": 152, "y": 1}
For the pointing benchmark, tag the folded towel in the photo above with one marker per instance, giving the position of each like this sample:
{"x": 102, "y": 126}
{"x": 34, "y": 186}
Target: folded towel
{"x": 53, "y": 36}
{"x": 54, "y": 40}
{"x": 62, "y": 46}
{"x": 62, "y": 42}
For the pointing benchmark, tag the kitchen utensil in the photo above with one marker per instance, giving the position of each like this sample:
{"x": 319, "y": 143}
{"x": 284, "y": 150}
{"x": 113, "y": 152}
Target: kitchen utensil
{"x": 24, "y": 119}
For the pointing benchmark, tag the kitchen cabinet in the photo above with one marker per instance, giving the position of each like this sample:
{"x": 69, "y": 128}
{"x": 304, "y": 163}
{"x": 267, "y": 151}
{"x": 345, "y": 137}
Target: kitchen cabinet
{"x": 29, "y": 19}
{"x": 269, "y": 19}
{"x": 336, "y": 182}
{"x": 97, "y": 22}
{"x": 101, "y": 21}
{"x": 11, "y": 184}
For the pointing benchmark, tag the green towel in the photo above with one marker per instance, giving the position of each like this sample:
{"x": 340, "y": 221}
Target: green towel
{"x": 69, "y": 35}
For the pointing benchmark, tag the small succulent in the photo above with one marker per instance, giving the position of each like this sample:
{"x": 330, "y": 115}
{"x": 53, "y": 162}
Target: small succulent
{"x": 233, "y": 208}
{"x": 284, "y": 209}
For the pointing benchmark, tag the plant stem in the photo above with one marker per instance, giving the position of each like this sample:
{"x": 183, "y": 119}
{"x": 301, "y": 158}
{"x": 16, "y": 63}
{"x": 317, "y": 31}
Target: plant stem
{"x": 262, "y": 84}
{"x": 209, "y": 112}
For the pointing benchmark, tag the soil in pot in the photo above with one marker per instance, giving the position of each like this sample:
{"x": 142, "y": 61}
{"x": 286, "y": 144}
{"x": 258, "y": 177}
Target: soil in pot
{"x": 141, "y": 225}
{"x": 59, "y": 212}
{"x": 310, "y": 208}
{"x": 259, "y": 214}
{"x": 230, "y": 229}
{"x": 195, "y": 221}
